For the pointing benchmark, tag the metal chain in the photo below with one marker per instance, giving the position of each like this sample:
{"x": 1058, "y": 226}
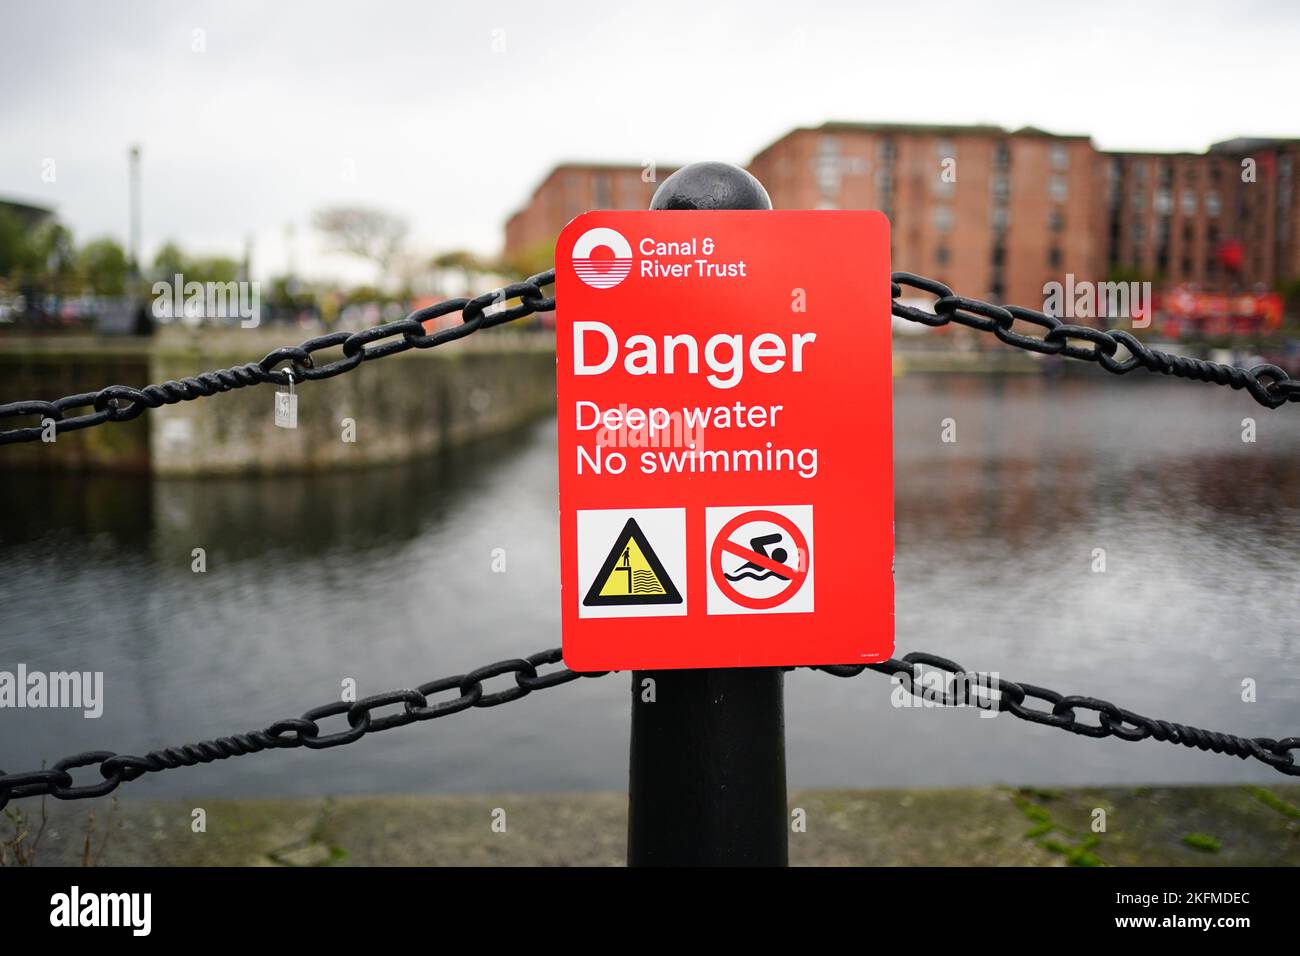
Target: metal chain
{"x": 1112, "y": 720}
{"x": 305, "y": 731}
{"x": 120, "y": 403}
{"x": 1270, "y": 385}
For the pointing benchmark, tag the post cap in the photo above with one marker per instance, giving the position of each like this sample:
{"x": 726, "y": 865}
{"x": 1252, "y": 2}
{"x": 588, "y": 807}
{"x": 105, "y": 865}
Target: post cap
{"x": 711, "y": 185}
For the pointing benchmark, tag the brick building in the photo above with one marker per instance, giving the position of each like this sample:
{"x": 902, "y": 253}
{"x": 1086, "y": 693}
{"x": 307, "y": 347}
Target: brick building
{"x": 989, "y": 212}
{"x": 569, "y": 190}
{"x": 997, "y": 213}
{"x": 1219, "y": 219}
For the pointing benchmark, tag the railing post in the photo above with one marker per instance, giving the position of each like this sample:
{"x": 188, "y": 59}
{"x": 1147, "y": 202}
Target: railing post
{"x": 707, "y": 774}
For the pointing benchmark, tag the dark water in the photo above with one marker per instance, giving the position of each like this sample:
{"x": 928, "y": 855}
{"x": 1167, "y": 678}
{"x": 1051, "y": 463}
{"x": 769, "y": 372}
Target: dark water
{"x": 385, "y": 576}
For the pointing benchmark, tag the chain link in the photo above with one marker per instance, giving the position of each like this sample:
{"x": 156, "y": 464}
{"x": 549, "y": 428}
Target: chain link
{"x": 120, "y": 403}
{"x": 1269, "y": 385}
{"x": 415, "y": 705}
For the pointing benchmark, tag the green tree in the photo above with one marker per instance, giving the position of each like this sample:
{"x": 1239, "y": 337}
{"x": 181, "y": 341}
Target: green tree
{"x": 536, "y": 258}
{"x": 169, "y": 262}
{"x": 54, "y": 257}
{"x": 363, "y": 294}
{"x": 212, "y": 269}
{"x": 15, "y": 247}
{"x": 284, "y": 295}
{"x": 103, "y": 267}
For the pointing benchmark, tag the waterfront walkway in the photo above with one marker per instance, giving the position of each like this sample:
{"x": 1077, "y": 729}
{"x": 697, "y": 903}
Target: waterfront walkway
{"x": 1163, "y": 826}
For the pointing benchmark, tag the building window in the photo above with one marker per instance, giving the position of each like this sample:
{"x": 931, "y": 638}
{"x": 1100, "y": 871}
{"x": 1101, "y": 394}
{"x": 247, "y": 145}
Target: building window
{"x": 1189, "y": 202}
{"x": 1136, "y": 201}
{"x": 1212, "y": 203}
{"x": 886, "y": 150}
{"x": 1001, "y": 187}
{"x": 828, "y": 178}
{"x": 1187, "y": 267}
{"x": 1164, "y": 203}
{"x": 941, "y": 256}
{"x": 1139, "y": 233}
{"x": 1060, "y": 156}
{"x": 603, "y": 194}
{"x": 827, "y": 166}
{"x": 1056, "y": 221}
{"x": 1001, "y": 219}
{"x": 942, "y": 218}
{"x": 944, "y": 188}
{"x": 945, "y": 149}
{"x": 1001, "y": 155}
{"x": 1058, "y": 189}
{"x": 1054, "y": 257}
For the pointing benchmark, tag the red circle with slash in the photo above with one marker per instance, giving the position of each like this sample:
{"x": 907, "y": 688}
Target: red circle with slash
{"x": 797, "y": 574}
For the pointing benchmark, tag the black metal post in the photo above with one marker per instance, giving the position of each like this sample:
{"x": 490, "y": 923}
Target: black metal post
{"x": 707, "y": 779}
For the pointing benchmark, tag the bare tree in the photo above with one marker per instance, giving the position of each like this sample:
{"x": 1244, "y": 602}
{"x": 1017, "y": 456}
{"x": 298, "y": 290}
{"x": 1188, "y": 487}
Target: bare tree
{"x": 370, "y": 234}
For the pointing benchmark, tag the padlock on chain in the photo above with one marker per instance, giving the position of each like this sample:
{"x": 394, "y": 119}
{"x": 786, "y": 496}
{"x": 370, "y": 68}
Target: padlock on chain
{"x": 286, "y": 405}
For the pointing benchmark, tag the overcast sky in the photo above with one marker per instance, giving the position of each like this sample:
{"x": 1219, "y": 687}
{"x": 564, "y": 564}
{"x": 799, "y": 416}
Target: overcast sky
{"x": 410, "y": 106}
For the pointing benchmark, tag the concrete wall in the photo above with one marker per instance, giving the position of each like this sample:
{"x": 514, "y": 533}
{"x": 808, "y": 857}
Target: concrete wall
{"x": 46, "y": 369}
{"x": 403, "y": 406}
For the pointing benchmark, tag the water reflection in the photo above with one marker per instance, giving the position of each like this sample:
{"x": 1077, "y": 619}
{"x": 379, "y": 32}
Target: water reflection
{"x": 386, "y": 576}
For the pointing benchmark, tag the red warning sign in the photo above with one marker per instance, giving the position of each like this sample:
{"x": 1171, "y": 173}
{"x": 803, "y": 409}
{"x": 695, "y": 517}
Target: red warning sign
{"x": 726, "y": 487}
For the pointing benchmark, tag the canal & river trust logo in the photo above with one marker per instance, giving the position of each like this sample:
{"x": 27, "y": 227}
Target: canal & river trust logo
{"x": 602, "y": 258}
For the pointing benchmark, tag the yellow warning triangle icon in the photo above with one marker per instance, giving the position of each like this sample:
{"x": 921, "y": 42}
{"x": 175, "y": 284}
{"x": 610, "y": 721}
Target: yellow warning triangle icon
{"x": 631, "y": 574}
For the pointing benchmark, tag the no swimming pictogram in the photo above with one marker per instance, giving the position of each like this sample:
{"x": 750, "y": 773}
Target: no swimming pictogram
{"x": 760, "y": 559}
